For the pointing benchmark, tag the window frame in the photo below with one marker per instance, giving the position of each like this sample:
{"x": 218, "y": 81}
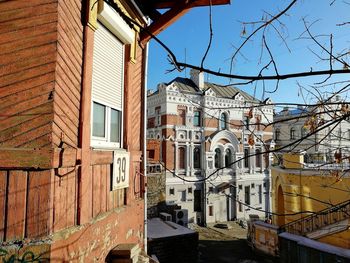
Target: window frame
{"x": 217, "y": 158}
{"x": 292, "y": 133}
{"x": 228, "y": 158}
{"x": 246, "y": 157}
{"x": 277, "y": 134}
{"x": 123, "y": 34}
{"x": 223, "y": 121}
{"x": 197, "y": 117}
{"x": 197, "y": 153}
{"x": 105, "y": 142}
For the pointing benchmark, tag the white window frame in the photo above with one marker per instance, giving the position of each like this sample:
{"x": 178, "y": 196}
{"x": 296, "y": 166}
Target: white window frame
{"x": 110, "y": 19}
{"x": 105, "y": 142}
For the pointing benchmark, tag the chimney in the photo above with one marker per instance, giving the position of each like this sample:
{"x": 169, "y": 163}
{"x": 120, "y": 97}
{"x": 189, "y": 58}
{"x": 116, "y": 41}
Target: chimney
{"x": 198, "y": 78}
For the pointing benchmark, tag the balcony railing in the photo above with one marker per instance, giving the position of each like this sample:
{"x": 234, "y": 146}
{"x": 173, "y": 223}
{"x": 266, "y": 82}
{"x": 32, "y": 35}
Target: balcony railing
{"x": 318, "y": 220}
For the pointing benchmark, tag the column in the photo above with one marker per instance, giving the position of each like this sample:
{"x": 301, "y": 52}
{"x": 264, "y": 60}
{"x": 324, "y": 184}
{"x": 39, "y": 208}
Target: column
{"x": 187, "y": 164}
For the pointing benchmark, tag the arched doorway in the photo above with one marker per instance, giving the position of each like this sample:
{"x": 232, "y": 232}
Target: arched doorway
{"x": 280, "y": 206}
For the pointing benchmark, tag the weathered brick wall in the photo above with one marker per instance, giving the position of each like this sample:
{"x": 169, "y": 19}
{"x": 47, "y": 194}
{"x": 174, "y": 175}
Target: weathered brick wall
{"x": 155, "y": 193}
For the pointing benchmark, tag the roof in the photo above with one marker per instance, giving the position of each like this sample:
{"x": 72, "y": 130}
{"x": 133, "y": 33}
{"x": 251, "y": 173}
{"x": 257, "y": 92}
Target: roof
{"x": 158, "y": 228}
{"x": 292, "y": 112}
{"x": 187, "y": 85}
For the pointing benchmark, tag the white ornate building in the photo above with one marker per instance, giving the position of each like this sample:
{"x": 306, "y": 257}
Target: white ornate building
{"x": 204, "y": 129}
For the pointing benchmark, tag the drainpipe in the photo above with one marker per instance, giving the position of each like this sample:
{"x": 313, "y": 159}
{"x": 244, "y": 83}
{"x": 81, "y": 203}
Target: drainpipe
{"x": 145, "y": 144}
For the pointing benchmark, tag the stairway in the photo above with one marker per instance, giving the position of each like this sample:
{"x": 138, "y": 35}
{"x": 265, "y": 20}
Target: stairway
{"x": 312, "y": 224}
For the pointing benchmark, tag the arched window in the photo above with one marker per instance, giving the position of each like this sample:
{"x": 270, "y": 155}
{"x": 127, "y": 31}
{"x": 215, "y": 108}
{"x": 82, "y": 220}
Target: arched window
{"x": 228, "y": 158}
{"x": 197, "y": 158}
{"x": 181, "y": 158}
{"x": 277, "y": 134}
{"x": 217, "y": 158}
{"x": 223, "y": 121}
{"x": 292, "y": 134}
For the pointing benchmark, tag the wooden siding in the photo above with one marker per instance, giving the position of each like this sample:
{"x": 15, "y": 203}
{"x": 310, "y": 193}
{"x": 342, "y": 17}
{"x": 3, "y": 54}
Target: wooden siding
{"x": 103, "y": 199}
{"x": 28, "y": 35}
{"x": 24, "y": 204}
{"x": 64, "y": 198}
{"x": 69, "y": 73}
{"x": 133, "y": 99}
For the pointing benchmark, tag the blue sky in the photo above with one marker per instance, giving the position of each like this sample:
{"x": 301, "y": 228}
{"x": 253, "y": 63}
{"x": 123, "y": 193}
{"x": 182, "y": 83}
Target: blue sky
{"x": 190, "y": 35}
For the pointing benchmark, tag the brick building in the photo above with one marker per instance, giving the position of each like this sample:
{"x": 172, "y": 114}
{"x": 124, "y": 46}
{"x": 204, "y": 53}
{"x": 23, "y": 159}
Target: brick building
{"x": 206, "y": 130}
{"x": 72, "y": 100}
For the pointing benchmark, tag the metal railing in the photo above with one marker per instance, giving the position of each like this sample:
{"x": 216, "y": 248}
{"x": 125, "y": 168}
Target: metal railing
{"x": 318, "y": 220}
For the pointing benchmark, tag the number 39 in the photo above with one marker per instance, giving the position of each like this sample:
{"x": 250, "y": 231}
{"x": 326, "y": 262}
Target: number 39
{"x": 121, "y": 168}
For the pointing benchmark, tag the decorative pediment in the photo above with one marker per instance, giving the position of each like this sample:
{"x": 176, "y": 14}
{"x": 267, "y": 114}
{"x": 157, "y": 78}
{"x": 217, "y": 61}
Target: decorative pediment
{"x": 210, "y": 92}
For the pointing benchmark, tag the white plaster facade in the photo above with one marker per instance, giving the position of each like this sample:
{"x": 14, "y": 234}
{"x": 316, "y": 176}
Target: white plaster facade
{"x": 321, "y": 146}
{"x": 224, "y": 177}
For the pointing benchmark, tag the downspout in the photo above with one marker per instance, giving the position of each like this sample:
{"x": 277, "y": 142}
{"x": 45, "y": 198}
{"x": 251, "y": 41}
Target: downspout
{"x": 144, "y": 153}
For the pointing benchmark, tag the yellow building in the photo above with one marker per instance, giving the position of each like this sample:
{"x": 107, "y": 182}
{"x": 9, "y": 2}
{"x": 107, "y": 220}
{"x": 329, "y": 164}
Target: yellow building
{"x": 312, "y": 200}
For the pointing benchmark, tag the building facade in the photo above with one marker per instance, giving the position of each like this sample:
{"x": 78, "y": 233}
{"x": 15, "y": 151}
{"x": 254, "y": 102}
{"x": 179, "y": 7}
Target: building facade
{"x": 294, "y": 130}
{"x": 310, "y": 202}
{"x": 72, "y": 127}
{"x": 212, "y": 144}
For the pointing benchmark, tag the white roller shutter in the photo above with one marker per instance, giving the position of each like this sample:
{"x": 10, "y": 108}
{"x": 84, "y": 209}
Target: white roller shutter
{"x": 108, "y": 69}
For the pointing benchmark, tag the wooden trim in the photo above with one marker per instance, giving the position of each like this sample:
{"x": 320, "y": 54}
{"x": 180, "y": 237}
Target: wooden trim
{"x": 164, "y": 21}
{"x": 171, "y": 3}
{"x": 177, "y": 9}
{"x": 25, "y": 158}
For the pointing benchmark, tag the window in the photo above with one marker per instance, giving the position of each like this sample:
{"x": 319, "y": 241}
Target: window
{"x": 240, "y": 187}
{"x": 223, "y": 121}
{"x": 246, "y": 122}
{"x": 246, "y": 158}
{"x": 197, "y": 118}
{"x": 171, "y": 191}
{"x": 260, "y": 193}
{"x": 292, "y": 134}
{"x": 247, "y": 195}
{"x": 182, "y": 195}
{"x": 189, "y": 189}
{"x": 211, "y": 210}
{"x": 303, "y": 131}
{"x": 228, "y": 158}
{"x": 277, "y": 134}
{"x": 258, "y": 158}
{"x": 197, "y": 201}
{"x": 182, "y": 117}
{"x": 217, "y": 158}
{"x": 197, "y": 158}
{"x": 158, "y": 117}
{"x": 151, "y": 154}
{"x": 181, "y": 158}
{"x": 107, "y": 78}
